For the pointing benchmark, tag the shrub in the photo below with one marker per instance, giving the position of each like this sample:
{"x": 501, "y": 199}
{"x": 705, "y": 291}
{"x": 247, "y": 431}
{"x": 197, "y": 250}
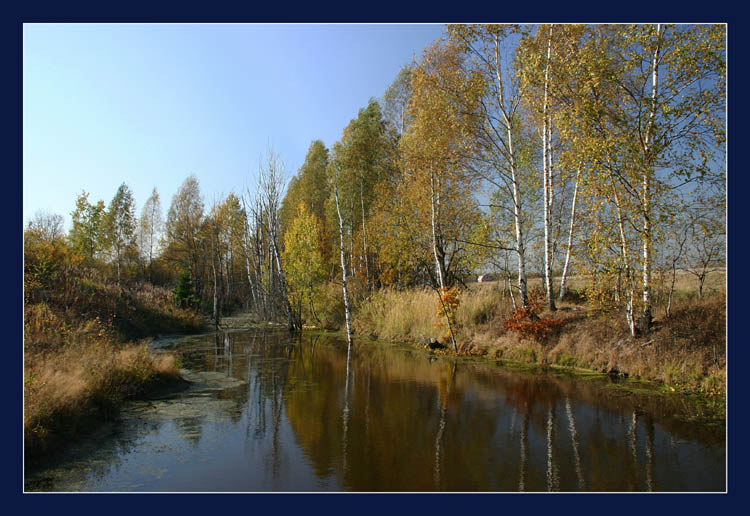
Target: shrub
{"x": 447, "y": 304}
{"x": 526, "y": 321}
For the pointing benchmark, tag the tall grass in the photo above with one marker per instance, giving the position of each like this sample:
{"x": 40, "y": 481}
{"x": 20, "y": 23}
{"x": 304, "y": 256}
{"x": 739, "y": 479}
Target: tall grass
{"x": 328, "y": 301}
{"x": 415, "y": 314}
{"x": 69, "y": 388}
{"x": 399, "y": 315}
{"x": 80, "y": 363}
{"x": 104, "y": 310}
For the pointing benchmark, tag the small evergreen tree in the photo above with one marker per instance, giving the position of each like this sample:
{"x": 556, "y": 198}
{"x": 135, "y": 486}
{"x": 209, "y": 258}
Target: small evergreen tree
{"x": 183, "y": 291}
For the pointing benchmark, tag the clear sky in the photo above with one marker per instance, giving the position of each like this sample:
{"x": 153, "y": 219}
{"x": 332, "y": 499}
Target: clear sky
{"x": 150, "y": 104}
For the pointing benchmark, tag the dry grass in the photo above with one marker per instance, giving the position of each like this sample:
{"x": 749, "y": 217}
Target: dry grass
{"x": 89, "y": 306}
{"x": 415, "y": 314}
{"x": 328, "y": 301}
{"x": 399, "y": 315}
{"x": 78, "y": 365}
{"x": 688, "y": 349}
{"x": 69, "y": 388}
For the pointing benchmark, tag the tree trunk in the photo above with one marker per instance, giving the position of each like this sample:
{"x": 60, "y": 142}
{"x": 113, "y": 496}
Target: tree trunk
{"x": 364, "y": 232}
{"x": 213, "y": 267}
{"x": 438, "y": 263}
{"x": 514, "y": 180}
{"x": 347, "y": 311}
{"x": 249, "y": 267}
{"x": 629, "y": 315}
{"x": 547, "y": 181}
{"x": 564, "y": 279}
{"x": 291, "y": 322}
{"x": 648, "y": 144}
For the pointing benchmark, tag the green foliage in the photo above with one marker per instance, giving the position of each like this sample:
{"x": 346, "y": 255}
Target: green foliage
{"x": 119, "y": 225}
{"x": 183, "y": 224}
{"x": 303, "y": 258}
{"x": 87, "y": 234}
{"x": 310, "y": 186}
{"x": 184, "y": 294}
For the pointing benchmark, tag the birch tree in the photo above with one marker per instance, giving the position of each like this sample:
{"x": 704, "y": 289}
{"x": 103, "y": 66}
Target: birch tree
{"x": 334, "y": 167}
{"x": 182, "y": 228}
{"x": 667, "y": 118}
{"x": 149, "y": 228}
{"x": 535, "y": 70}
{"x": 432, "y": 151}
{"x": 396, "y": 100}
{"x": 120, "y": 224}
{"x": 87, "y": 232}
{"x": 496, "y": 121}
{"x": 302, "y": 257}
{"x": 270, "y": 187}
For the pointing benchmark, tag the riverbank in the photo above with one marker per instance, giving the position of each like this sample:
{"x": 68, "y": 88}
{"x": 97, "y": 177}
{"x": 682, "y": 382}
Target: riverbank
{"x": 685, "y": 351}
{"x": 68, "y": 392}
{"x": 83, "y": 359}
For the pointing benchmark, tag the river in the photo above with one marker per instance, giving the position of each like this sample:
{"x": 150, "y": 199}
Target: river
{"x": 268, "y": 412}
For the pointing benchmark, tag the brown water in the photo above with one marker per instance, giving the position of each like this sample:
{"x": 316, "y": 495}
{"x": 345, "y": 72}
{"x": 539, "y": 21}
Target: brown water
{"x": 267, "y": 412}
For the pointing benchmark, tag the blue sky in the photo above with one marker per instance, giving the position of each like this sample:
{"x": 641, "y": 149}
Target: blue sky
{"x": 149, "y": 104}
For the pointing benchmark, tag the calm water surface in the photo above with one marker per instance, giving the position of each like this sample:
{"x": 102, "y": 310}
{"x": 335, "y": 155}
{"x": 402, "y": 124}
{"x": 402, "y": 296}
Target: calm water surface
{"x": 268, "y": 413}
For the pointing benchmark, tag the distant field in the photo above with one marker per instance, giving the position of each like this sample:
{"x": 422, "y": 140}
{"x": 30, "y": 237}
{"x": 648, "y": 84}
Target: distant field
{"x": 685, "y": 282}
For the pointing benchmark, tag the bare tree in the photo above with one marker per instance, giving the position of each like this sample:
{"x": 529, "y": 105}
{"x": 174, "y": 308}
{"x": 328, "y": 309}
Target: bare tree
{"x": 150, "y": 227}
{"x": 48, "y": 225}
{"x": 706, "y": 249}
{"x": 271, "y": 181}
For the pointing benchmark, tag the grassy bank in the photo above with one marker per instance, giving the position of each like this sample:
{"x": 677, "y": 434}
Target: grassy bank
{"x": 686, "y": 350}
{"x": 69, "y": 390}
{"x": 81, "y": 361}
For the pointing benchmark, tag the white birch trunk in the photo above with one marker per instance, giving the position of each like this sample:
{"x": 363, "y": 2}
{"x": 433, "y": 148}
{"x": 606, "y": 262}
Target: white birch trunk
{"x": 249, "y": 267}
{"x": 364, "y": 232}
{"x": 547, "y": 180}
{"x": 629, "y": 315}
{"x": 213, "y": 268}
{"x": 648, "y": 143}
{"x": 292, "y": 324}
{"x": 347, "y": 311}
{"x": 514, "y": 180}
{"x": 438, "y": 265}
{"x": 564, "y": 279}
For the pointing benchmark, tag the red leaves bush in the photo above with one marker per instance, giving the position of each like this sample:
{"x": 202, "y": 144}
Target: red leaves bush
{"x": 525, "y": 320}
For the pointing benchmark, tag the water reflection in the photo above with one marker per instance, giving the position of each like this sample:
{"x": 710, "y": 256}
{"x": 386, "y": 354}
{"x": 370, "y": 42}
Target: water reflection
{"x": 574, "y": 441}
{"x": 310, "y": 413}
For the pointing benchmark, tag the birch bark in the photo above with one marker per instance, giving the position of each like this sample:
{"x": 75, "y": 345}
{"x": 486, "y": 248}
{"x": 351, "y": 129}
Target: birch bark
{"x": 438, "y": 264}
{"x": 547, "y": 179}
{"x": 564, "y": 279}
{"x": 647, "y": 151}
{"x": 347, "y": 311}
{"x": 522, "y": 288}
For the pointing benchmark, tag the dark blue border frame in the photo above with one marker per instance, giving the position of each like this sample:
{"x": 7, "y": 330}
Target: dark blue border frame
{"x": 375, "y": 13}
